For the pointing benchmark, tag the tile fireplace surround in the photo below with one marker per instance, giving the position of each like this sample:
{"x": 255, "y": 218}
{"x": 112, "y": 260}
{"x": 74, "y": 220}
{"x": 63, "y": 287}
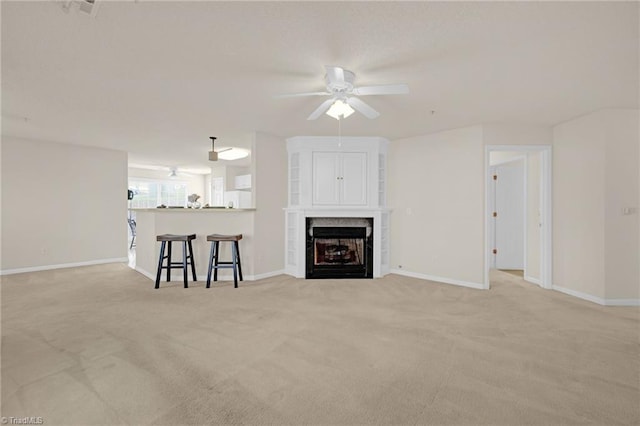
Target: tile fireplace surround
{"x": 297, "y": 235}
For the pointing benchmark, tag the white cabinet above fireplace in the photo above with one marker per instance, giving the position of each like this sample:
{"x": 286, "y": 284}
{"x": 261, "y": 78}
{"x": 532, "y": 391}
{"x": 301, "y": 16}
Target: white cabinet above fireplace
{"x": 339, "y": 178}
{"x": 332, "y": 172}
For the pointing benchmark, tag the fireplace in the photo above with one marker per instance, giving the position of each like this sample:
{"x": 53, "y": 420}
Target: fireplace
{"x": 339, "y": 247}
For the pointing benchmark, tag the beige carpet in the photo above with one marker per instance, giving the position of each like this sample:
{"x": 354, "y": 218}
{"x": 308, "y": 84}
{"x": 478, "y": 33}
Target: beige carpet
{"x": 98, "y": 345}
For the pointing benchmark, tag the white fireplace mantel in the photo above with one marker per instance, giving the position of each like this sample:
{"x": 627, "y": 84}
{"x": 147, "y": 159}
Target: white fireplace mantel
{"x": 332, "y": 177}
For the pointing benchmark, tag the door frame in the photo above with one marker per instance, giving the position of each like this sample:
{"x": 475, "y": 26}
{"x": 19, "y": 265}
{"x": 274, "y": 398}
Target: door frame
{"x": 546, "y": 234}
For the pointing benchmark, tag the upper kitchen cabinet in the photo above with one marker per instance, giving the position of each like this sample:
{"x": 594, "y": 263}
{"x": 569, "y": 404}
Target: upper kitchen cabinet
{"x": 331, "y": 172}
{"x": 243, "y": 182}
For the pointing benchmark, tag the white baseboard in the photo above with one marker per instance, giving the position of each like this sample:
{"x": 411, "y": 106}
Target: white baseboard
{"x": 264, "y": 275}
{"x": 622, "y": 302}
{"x": 533, "y": 280}
{"x": 444, "y": 280}
{"x": 145, "y": 273}
{"x": 221, "y": 276}
{"x": 63, "y": 265}
{"x": 596, "y": 299}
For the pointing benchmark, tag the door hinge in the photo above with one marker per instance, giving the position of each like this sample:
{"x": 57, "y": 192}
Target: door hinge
{"x": 495, "y": 251}
{"x": 495, "y": 177}
{"x": 495, "y": 214}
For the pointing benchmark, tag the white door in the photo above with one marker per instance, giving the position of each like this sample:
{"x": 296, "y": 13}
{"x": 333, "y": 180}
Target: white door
{"x": 509, "y": 215}
{"x": 354, "y": 178}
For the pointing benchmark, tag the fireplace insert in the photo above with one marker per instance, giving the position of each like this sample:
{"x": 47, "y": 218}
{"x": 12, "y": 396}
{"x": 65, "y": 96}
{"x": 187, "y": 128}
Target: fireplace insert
{"x": 339, "y": 251}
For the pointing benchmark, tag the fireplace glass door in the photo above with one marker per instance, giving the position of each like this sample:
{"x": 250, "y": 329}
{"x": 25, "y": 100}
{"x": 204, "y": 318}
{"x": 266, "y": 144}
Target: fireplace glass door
{"x": 338, "y": 252}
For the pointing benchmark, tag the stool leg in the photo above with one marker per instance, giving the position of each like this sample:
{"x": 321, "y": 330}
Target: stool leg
{"x": 234, "y": 260}
{"x": 169, "y": 263}
{"x": 211, "y": 254}
{"x": 193, "y": 263}
{"x": 215, "y": 265}
{"x": 185, "y": 272}
{"x": 162, "y": 245}
{"x": 237, "y": 247}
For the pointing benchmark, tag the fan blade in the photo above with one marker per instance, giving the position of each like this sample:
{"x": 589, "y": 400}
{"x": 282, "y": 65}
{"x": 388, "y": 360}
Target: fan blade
{"x": 297, "y": 95}
{"x": 387, "y": 89}
{"x": 321, "y": 109}
{"x": 335, "y": 75}
{"x": 363, "y": 108}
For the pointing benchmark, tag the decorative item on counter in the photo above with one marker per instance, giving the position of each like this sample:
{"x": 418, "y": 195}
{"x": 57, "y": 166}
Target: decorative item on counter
{"x": 230, "y": 204}
{"x": 193, "y": 201}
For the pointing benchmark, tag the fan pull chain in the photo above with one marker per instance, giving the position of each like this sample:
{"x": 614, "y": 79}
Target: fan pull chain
{"x": 339, "y": 133}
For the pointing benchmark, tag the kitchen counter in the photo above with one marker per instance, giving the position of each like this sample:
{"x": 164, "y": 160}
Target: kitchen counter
{"x": 156, "y": 221}
{"x": 201, "y": 210}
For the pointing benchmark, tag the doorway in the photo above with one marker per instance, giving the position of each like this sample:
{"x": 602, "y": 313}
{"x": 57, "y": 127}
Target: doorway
{"x": 518, "y": 211}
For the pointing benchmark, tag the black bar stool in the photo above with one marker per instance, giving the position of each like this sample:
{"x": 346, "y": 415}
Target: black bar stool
{"x": 215, "y": 263}
{"x": 187, "y": 257}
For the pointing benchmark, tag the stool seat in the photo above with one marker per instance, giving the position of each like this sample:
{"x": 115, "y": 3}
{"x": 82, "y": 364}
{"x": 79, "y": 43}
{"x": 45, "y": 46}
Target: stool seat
{"x": 214, "y": 261}
{"x": 173, "y": 237}
{"x": 187, "y": 257}
{"x": 220, "y": 237}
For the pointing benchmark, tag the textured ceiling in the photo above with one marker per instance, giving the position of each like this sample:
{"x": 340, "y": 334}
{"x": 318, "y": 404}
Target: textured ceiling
{"x": 156, "y": 79}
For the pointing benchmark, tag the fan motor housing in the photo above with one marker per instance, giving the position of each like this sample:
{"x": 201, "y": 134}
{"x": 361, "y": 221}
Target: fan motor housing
{"x": 347, "y": 86}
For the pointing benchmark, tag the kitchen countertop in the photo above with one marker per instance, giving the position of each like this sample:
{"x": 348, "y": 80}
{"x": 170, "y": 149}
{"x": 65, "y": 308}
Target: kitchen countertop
{"x": 202, "y": 210}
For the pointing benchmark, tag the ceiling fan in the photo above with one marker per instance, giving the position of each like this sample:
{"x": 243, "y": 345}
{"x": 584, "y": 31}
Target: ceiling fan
{"x": 342, "y": 91}
{"x": 174, "y": 173}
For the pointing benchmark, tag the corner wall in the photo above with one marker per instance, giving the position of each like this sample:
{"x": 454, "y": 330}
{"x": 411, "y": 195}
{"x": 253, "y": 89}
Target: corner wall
{"x": 62, "y": 205}
{"x": 270, "y": 195}
{"x": 622, "y": 269}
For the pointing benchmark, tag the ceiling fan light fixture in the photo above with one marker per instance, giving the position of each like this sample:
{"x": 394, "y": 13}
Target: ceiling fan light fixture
{"x": 339, "y": 110}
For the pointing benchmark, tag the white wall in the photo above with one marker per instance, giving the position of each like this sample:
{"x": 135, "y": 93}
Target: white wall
{"x": 578, "y": 201}
{"x": 516, "y": 134}
{"x": 622, "y": 129}
{"x": 534, "y": 182}
{"x": 595, "y": 176}
{"x": 61, "y": 204}
{"x": 436, "y": 191}
{"x": 269, "y": 170}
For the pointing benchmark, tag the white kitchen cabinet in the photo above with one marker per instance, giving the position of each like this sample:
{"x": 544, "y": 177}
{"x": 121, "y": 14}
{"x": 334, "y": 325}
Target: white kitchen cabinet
{"x": 339, "y": 178}
{"x": 242, "y": 182}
